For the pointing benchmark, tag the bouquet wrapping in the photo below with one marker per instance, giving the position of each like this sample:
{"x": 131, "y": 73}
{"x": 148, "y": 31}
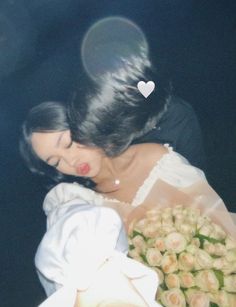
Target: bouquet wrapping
{"x": 188, "y": 237}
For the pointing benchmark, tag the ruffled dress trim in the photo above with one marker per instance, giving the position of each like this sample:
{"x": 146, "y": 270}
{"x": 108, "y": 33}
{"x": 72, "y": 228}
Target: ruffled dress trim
{"x": 171, "y": 168}
{"x": 148, "y": 183}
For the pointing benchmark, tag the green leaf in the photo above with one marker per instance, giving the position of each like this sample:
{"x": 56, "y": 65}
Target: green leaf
{"x": 131, "y": 247}
{"x": 201, "y": 240}
{"x": 220, "y": 276}
{"x": 209, "y": 239}
{"x": 163, "y": 286}
{"x": 215, "y": 256}
{"x": 213, "y": 304}
{"x": 143, "y": 257}
{"x": 136, "y": 233}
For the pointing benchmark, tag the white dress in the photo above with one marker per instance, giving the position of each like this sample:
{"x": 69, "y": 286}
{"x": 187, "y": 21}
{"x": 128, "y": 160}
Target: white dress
{"x": 82, "y": 234}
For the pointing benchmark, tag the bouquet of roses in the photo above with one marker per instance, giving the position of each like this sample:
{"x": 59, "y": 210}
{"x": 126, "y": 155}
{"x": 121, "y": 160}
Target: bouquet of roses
{"x": 188, "y": 237}
{"x": 194, "y": 257}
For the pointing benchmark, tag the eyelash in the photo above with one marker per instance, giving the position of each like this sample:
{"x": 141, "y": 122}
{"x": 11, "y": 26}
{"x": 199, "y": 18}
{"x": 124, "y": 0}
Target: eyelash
{"x": 56, "y": 165}
{"x": 69, "y": 144}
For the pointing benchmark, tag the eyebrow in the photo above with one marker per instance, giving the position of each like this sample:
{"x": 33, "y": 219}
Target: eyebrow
{"x": 57, "y": 144}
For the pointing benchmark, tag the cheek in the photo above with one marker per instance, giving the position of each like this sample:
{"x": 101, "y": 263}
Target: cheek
{"x": 64, "y": 168}
{"x": 96, "y": 160}
{"x": 94, "y": 154}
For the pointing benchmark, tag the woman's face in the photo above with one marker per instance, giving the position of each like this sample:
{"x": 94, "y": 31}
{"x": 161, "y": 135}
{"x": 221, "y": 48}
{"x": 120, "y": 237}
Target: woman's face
{"x": 58, "y": 150}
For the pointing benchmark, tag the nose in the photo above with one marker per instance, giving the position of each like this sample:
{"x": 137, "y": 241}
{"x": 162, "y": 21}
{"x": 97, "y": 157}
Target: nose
{"x": 70, "y": 158}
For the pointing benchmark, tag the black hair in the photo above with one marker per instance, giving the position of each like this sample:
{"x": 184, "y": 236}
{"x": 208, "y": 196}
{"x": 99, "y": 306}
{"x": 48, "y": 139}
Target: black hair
{"x": 45, "y": 117}
{"x": 111, "y": 114}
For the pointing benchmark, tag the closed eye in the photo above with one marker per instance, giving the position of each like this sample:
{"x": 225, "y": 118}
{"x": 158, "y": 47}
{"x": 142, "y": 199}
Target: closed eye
{"x": 56, "y": 164}
{"x": 68, "y": 146}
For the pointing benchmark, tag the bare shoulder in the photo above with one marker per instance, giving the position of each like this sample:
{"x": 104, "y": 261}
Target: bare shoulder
{"x": 152, "y": 152}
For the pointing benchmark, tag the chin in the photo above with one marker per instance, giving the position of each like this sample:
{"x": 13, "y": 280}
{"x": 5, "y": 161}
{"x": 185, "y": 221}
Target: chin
{"x": 93, "y": 173}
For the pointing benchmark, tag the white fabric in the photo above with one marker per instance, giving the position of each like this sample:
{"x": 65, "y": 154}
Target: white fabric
{"x": 79, "y": 238}
{"x": 171, "y": 168}
{"x": 81, "y": 234}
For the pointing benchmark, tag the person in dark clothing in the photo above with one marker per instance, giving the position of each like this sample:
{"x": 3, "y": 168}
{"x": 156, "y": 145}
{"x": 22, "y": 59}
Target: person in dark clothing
{"x": 112, "y": 114}
{"x": 180, "y": 128}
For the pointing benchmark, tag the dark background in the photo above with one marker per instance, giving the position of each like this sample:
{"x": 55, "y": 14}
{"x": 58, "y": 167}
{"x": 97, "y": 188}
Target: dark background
{"x": 39, "y": 60}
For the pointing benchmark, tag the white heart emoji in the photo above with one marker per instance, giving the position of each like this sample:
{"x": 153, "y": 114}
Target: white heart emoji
{"x": 146, "y": 88}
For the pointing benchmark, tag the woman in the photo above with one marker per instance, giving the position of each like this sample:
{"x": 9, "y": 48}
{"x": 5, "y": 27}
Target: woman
{"x": 48, "y": 148}
{"x": 119, "y": 174}
{"x": 93, "y": 140}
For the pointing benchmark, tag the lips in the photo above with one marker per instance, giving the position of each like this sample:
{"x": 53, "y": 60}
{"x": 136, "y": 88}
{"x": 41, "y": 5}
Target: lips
{"x": 83, "y": 169}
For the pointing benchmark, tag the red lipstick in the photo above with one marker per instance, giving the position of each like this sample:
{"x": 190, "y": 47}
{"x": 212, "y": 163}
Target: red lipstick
{"x": 83, "y": 169}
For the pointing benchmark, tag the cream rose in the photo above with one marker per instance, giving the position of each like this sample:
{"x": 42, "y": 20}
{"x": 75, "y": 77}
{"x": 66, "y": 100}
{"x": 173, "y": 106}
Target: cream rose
{"x": 167, "y": 229}
{"x": 141, "y": 225}
{"x": 175, "y": 242}
{"x": 230, "y": 242}
{"x": 231, "y": 255}
{"x": 169, "y": 263}
{"x": 203, "y": 260}
{"x": 186, "y": 279}
{"x": 230, "y": 283}
{"x": 151, "y": 230}
{"x": 232, "y": 300}
{"x": 173, "y": 298}
{"x": 220, "y": 249}
{"x": 153, "y": 257}
{"x": 195, "y": 242}
{"x": 168, "y": 223}
{"x": 193, "y": 215}
{"x": 206, "y": 270}
{"x": 160, "y": 244}
{"x": 203, "y": 220}
{"x": 209, "y": 247}
{"x": 218, "y": 232}
{"x": 167, "y": 217}
{"x": 179, "y": 217}
{"x": 187, "y": 229}
{"x": 230, "y": 268}
{"x": 186, "y": 261}
{"x": 135, "y": 254}
{"x": 221, "y": 298}
{"x": 196, "y": 298}
{"x": 206, "y": 230}
{"x": 154, "y": 219}
{"x": 177, "y": 209}
{"x": 139, "y": 243}
{"x": 220, "y": 263}
{"x": 192, "y": 249}
{"x": 172, "y": 281}
{"x": 225, "y": 266}
{"x": 153, "y": 213}
{"x": 206, "y": 280}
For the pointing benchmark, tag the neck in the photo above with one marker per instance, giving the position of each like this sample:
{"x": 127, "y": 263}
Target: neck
{"x": 114, "y": 169}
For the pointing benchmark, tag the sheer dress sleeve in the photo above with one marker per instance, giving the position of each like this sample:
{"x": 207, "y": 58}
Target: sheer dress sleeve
{"x": 172, "y": 169}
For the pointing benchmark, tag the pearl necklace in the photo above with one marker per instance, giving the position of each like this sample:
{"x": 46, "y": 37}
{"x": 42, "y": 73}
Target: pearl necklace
{"x": 117, "y": 181}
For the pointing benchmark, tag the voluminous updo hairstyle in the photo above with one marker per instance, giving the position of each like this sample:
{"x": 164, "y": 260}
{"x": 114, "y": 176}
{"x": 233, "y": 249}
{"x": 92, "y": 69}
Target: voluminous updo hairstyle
{"x": 111, "y": 113}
